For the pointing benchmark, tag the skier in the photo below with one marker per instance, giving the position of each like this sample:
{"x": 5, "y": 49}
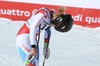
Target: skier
{"x": 27, "y": 38}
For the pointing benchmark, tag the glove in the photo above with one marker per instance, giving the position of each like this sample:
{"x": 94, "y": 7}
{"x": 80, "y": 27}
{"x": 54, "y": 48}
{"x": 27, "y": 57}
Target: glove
{"x": 46, "y": 52}
{"x": 29, "y": 58}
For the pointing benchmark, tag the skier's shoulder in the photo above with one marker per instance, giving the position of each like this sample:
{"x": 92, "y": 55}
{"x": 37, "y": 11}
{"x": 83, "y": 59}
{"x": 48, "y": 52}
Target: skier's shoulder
{"x": 44, "y": 9}
{"x": 40, "y": 10}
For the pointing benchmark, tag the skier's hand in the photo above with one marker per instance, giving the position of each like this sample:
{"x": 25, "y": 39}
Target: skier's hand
{"x": 46, "y": 52}
{"x": 29, "y": 58}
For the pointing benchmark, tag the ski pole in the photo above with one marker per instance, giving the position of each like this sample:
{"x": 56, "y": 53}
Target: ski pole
{"x": 44, "y": 61}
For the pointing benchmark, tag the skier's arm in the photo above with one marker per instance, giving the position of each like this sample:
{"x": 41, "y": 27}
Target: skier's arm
{"x": 34, "y": 27}
{"x": 46, "y": 50}
{"x": 47, "y": 37}
{"x": 35, "y": 20}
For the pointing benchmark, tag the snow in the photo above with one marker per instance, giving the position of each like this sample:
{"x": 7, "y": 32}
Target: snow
{"x": 78, "y": 47}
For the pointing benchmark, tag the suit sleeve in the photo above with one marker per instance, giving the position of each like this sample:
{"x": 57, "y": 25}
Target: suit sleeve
{"x": 34, "y": 27}
{"x": 47, "y": 37}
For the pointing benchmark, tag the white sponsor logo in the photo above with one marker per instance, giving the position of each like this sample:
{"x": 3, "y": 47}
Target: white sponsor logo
{"x": 14, "y": 12}
{"x": 89, "y": 20}
{"x": 92, "y": 20}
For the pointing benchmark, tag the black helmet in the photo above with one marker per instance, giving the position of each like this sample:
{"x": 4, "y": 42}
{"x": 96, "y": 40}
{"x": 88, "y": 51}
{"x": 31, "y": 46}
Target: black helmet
{"x": 63, "y": 23}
